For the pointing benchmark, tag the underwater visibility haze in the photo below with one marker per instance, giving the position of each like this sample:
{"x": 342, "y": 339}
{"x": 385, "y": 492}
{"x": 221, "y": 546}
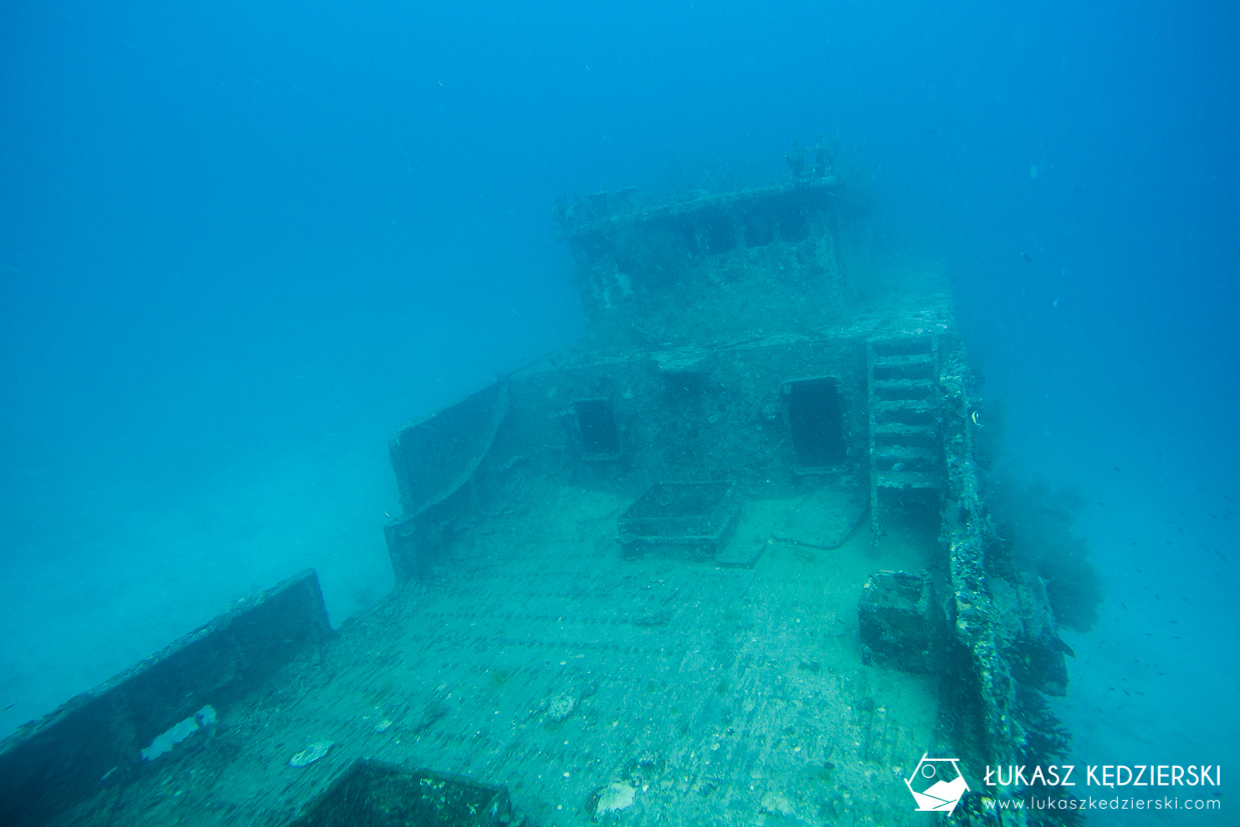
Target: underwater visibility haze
{"x": 243, "y": 246}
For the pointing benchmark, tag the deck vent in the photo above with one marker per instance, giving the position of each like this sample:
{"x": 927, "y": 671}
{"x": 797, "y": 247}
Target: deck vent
{"x": 901, "y": 622}
{"x": 815, "y": 411}
{"x": 596, "y": 422}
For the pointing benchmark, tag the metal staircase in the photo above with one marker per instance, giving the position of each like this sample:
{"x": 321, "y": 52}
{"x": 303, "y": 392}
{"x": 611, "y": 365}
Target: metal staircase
{"x": 906, "y": 442}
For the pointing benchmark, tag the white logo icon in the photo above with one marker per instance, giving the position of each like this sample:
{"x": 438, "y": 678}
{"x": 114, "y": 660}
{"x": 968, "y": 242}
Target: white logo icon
{"x": 937, "y": 784}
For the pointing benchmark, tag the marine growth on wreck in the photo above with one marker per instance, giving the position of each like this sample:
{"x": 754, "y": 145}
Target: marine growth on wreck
{"x": 724, "y": 561}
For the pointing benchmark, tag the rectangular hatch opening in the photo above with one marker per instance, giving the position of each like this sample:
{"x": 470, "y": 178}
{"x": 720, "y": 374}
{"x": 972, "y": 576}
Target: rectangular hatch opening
{"x": 372, "y": 793}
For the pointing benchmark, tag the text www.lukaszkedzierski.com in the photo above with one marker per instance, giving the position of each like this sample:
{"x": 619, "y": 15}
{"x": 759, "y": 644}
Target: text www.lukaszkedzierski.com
{"x": 1090, "y": 803}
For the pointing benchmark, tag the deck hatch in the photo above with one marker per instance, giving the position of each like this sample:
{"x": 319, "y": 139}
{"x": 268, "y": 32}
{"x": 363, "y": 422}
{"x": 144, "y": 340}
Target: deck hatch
{"x": 377, "y": 794}
{"x": 690, "y": 519}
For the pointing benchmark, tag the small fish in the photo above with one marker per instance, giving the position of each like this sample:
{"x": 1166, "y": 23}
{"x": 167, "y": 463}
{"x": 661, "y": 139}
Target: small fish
{"x": 1027, "y": 257}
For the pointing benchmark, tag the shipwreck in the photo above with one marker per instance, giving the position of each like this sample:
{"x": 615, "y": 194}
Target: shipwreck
{"x": 724, "y": 560}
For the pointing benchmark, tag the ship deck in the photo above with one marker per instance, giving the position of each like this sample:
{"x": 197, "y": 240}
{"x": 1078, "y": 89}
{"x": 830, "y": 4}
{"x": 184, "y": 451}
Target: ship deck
{"x": 535, "y": 656}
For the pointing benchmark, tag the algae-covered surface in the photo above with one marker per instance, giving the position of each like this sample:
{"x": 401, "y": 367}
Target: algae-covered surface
{"x": 597, "y": 688}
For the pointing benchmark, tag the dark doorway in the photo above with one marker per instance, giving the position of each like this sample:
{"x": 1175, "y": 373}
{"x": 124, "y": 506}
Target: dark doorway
{"x": 600, "y": 438}
{"x": 815, "y": 412}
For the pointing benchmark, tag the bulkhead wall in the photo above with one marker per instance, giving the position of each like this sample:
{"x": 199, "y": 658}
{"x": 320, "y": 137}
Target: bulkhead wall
{"x": 678, "y": 415}
{"x": 692, "y": 414}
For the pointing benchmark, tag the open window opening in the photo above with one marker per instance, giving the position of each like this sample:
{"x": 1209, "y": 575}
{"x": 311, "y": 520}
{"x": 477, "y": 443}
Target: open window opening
{"x": 596, "y": 422}
{"x": 815, "y": 411}
{"x": 721, "y": 235}
{"x": 759, "y": 230}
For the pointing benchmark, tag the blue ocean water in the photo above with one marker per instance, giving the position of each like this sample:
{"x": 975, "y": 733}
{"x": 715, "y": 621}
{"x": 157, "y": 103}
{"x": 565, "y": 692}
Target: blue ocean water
{"x": 240, "y": 244}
